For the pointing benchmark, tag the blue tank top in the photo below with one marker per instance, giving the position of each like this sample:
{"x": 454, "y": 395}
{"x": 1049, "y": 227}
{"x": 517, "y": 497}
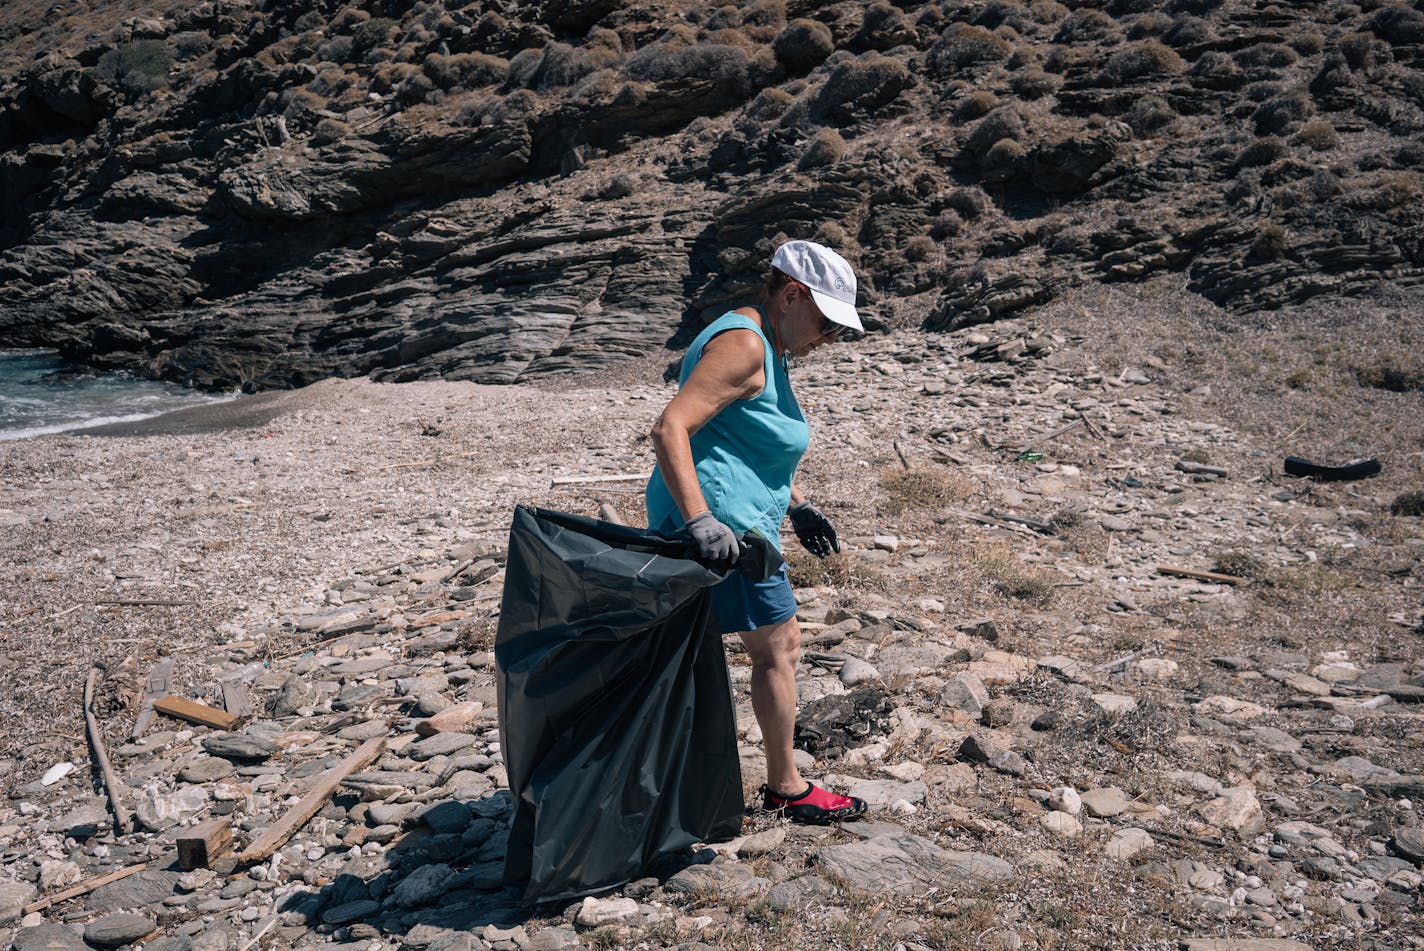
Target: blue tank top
{"x": 746, "y": 455}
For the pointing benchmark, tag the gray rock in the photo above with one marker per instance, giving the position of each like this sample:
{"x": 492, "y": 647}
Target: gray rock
{"x": 159, "y": 810}
{"x": 856, "y": 671}
{"x": 797, "y": 893}
{"x": 296, "y": 693}
{"x": 905, "y": 865}
{"x": 965, "y": 692}
{"x": 441, "y": 744}
{"x": 552, "y": 939}
{"x": 1104, "y": 803}
{"x": 111, "y": 931}
{"x": 1409, "y": 844}
{"x": 14, "y": 896}
{"x": 422, "y": 886}
{"x": 139, "y": 890}
{"x": 239, "y": 746}
{"x": 1242, "y": 944}
{"x": 880, "y": 793}
{"x": 83, "y": 822}
{"x": 50, "y": 937}
{"x": 730, "y": 879}
{"x": 351, "y": 911}
{"x": 597, "y": 912}
{"x": 204, "y": 769}
{"x": 446, "y": 817}
{"x": 978, "y": 749}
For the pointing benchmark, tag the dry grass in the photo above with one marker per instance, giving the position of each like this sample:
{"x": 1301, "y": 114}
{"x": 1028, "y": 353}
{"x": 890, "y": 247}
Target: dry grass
{"x": 1011, "y": 578}
{"x": 922, "y": 488}
{"x": 838, "y": 571}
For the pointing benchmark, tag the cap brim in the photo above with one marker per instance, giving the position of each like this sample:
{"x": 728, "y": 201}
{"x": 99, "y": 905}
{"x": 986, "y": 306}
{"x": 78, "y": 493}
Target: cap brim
{"x": 837, "y": 311}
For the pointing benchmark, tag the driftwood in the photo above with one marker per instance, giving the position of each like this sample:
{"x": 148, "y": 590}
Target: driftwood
{"x": 904, "y": 463}
{"x": 133, "y": 602}
{"x": 198, "y": 846}
{"x": 84, "y": 888}
{"x": 275, "y": 836}
{"x": 1042, "y": 527}
{"x": 1199, "y": 575}
{"x": 578, "y": 480}
{"x": 112, "y": 786}
{"x": 991, "y": 520}
{"x": 1199, "y": 468}
{"x": 156, "y": 687}
{"x": 195, "y": 712}
{"x": 1054, "y": 434}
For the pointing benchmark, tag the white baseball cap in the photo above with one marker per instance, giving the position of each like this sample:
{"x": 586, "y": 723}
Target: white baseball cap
{"x": 827, "y": 275}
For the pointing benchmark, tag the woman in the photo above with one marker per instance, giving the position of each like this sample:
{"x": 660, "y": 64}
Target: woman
{"x": 727, "y": 448}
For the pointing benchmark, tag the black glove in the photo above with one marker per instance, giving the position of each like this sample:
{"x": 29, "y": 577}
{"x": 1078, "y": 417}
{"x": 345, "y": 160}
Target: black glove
{"x": 814, "y": 530}
{"x": 715, "y": 541}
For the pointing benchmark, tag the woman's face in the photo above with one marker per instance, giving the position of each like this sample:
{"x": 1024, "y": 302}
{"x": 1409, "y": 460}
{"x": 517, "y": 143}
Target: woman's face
{"x": 803, "y": 326}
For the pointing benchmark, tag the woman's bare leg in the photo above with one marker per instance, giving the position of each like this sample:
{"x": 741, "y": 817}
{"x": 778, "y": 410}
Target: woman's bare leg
{"x": 775, "y": 651}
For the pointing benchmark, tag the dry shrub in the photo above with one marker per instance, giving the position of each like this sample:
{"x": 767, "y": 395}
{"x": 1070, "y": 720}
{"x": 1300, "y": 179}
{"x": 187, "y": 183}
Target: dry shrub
{"x": 1215, "y": 70}
{"x": 1047, "y": 11}
{"x": 970, "y": 202}
{"x": 1399, "y": 25}
{"x": 1012, "y": 578}
{"x": 1240, "y": 564}
{"x": 1002, "y": 123}
{"x": 464, "y": 70}
{"x": 1033, "y": 83}
{"x": 742, "y": 70}
{"x": 803, "y": 45}
{"x": 137, "y": 67}
{"x": 1409, "y": 504}
{"x": 1318, "y": 135}
{"x": 920, "y": 248}
{"x": 1263, "y": 151}
{"x": 963, "y": 46}
{"x": 1390, "y": 376}
{"x": 1266, "y": 56}
{"x": 832, "y": 235}
{"x": 1283, "y": 113}
{"x": 770, "y": 104}
{"x": 474, "y": 109}
{"x": 1270, "y": 243}
{"x": 922, "y": 488}
{"x": 945, "y": 226}
{"x": 1391, "y": 190}
{"x": 328, "y": 131}
{"x": 825, "y": 148}
{"x": 1086, "y": 25}
{"x": 371, "y": 34}
{"x": 1149, "y": 114}
{"x": 836, "y": 571}
{"x": 976, "y": 104}
{"x": 863, "y": 84}
{"x": 1187, "y": 31}
{"x": 1140, "y": 61}
{"x": 1148, "y": 25}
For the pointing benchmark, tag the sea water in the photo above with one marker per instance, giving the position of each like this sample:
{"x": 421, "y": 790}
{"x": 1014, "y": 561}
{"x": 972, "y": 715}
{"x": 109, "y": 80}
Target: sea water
{"x": 40, "y": 393}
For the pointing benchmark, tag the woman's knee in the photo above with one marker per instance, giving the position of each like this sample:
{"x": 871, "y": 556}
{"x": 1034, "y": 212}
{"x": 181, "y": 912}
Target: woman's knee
{"x": 776, "y": 645}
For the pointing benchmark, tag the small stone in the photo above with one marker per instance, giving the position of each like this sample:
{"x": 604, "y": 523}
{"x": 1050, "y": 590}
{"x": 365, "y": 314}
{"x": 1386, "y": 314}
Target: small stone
{"x": 85, "y": 821}
{"x": 1065, "y": 799}
{"x": 1236, "y": 810}
{"x": 158, "y": 811}
{"x": 1115, "y": 703}
{"x": 239, "y": 746}
{"x": 441, "y": 744}
{"x": 597, "y": 912}
{"x": 57, "y": 873}
{"x": 1409, "y": 844}
{"x": 422, "y": 886}
{"x": 1104, "y": 803}
{"x": 14, "y": 896}
{"x": 55, "y": 773}
{"x": 50, "y": 937}
{"x": 965, "y": 692}
{"x": 856, "y": 671}
{"x": 999, "y": 712}
{"x": 1047, "y": 721}
{"x": 205, "y": 769}
{"x": 1127, "y": 843}
{"x": 351, "y": 911}
{"x": 1229, "y": 708}
{"x": 1060, "y": 824}
{"x": 553, "y": 939}
{"x": 111, "y": 931}
{"x": 978, "y": 749}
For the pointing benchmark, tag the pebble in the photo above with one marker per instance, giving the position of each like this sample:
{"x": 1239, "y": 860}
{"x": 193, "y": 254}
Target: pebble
{"x": 111, "y": 931}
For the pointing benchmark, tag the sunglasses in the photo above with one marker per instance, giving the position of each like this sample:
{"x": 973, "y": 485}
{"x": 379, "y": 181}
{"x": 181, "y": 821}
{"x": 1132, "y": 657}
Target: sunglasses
{"x": 829, "y": 328}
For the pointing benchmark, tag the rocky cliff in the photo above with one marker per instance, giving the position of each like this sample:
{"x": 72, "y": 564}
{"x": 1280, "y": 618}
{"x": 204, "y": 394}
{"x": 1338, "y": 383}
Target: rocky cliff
{"x": 240, "y": 192}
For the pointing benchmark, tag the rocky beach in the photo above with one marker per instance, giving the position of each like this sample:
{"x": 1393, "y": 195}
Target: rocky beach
{"x": 1065, "y": 741}
{"x": 1123, "y": 648}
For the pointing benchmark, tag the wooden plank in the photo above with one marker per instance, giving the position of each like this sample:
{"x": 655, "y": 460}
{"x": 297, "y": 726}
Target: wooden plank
{"x": 274, "y": 836}
{"x": 1199, "y": 575}
{"x": 198, "y": 846}
{"x": 84, "y": 888}
{"x": 156, "y": 687}
{"x": 237, "y": 699}
{"x": 195, "y": 712}
{"x": 1199, "y": 468}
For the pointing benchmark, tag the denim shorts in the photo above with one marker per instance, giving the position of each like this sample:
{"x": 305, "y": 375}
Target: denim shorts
{"x": 744, "y": 605}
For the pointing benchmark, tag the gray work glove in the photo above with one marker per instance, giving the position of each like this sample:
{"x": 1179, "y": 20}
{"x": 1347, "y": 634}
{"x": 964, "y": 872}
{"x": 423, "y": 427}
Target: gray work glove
{"x": 715, "y": 541}
{"x": 813, "y": 530}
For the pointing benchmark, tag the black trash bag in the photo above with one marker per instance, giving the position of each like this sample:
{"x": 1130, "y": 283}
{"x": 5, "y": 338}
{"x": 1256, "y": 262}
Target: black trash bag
{"x": 615, "y": 708}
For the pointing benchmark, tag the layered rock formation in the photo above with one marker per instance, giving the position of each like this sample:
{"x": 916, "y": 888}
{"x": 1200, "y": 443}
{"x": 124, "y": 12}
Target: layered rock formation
{"x": 257, "y": 194}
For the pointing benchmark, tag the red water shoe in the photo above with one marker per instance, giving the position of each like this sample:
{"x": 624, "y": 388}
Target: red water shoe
{"x": 815, "y": 806}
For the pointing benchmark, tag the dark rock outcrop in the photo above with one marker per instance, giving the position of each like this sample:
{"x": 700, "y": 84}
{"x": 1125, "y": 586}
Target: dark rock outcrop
{"x": 262, "y": 195}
